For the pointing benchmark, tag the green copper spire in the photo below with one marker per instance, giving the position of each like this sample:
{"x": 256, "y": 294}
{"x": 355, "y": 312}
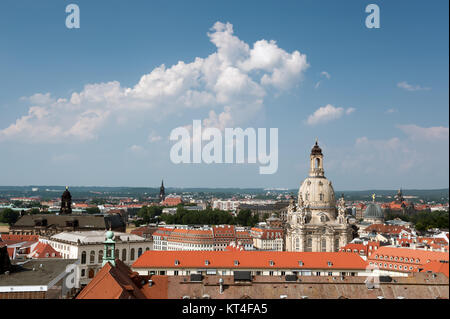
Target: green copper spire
{"x": 110, "y": 245}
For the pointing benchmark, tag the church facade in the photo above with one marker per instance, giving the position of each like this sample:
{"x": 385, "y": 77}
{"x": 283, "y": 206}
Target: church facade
{"x": 317, "y": 222}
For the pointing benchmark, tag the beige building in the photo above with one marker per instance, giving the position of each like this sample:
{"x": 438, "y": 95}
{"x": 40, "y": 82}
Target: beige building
{"x": 315, "y": 223}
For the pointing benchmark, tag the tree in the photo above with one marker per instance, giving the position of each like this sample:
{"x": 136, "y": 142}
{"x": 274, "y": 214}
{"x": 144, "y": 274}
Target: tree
{"x": 9, "y": 216}
{"x": 34, "y": 211}
{"x": 93, "y": 210}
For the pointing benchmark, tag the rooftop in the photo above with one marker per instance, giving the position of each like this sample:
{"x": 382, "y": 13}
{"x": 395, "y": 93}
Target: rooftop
{"x": 24, "y": 275}
{"x": 94, "y": 236}
{"x": 249, "y": 259}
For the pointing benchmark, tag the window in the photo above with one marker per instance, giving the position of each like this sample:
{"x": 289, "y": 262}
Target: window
{"x": 324, "y": 243}
{"x": 116, "y": 254}
{"x": 321, "y": 197}
{"x": 330, "y": 273}
{"x": 175, "y": 273}
{"x": 83, "y": 257}
{"x": 177, "y": 262}
{"x": 139, "y": 252}
{"x": 132, "y": 254}
{"x": 83, "y": 272}
{"x": 124, "y": 254}
{"x": 330, "y": 264}
{"x": 270, "y": 273}
{"x": 100, "y": 256}
{"x": 92, "y": 257}
{"x": 271, "y": 262}
{"x": 406, "y": 259}
{"x": 309, "y": 244}
{"x": 390, "y": 265}
{"x": 300, "y": 263}
{"x": 236, "y": 263}
{"x": 206, "y": 262}
{"x": 147, "y": 248}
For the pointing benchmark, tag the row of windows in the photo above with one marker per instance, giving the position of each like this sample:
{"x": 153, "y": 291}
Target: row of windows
{"x": 398, "y": 258}
{"x": 92, "y": 255}
{"x": 260, "y": 273}
{"x": 400, "y": 267}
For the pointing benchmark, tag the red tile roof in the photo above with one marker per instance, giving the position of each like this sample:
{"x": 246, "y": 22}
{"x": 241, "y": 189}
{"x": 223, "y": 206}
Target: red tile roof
{"x": 386, "y": 229}
{"x": 249, "y": 259}
{"x": 111, "y": 282}
{"x": 417, "y": 256}
{"x": 437, "y": 267}
{"x": 43, "y": 250}
{"x": 19, "y": 238}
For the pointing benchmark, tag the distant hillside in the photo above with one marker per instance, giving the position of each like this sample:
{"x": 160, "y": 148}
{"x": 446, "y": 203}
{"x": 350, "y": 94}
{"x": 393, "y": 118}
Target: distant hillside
{"x": 82, "y": 192}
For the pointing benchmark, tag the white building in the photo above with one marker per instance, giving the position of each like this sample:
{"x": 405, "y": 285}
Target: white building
{"x": 228, "y": 205}
{"x": 87, "y": 247}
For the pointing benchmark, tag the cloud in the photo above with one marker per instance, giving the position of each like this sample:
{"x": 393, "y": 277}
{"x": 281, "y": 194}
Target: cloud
{"x": 434, "y": 133}
{"x": 390, "y": 111}
{"x": 409, "y": 87}
{"x": 153, "y": 137}
{"x": 229, "y": 86}
{"x": 324, "y": 74}
{"x": 328, "y": 113}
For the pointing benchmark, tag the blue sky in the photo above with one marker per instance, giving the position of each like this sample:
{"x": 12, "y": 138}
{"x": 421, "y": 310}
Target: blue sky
{"x": 92, "y": 106}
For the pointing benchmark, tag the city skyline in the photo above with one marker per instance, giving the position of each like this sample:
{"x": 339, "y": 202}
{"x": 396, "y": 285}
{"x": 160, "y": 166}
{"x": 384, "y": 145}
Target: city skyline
{"x": 96, "y": 105}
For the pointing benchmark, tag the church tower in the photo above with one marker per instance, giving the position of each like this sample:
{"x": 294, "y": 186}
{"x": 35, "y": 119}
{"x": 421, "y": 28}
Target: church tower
{"x": 317, "y": 223}
{"x": 66, "y": 202}
{"x": 162, "y": 192}
{"x": 110, "y": 244}
{"x": 316, "y": 162}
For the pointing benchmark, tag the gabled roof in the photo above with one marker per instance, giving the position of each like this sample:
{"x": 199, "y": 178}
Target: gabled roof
{"x": 43, "y": 250}
{"x": 113, "y": 282}
{"x": 422, "y": 255}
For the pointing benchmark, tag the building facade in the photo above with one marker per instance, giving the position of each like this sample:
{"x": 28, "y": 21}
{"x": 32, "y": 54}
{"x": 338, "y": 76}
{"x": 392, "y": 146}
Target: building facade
{"x": 88, "y": 247}
{"x": 215, "y": 238}
{"x": 314, "y": 223}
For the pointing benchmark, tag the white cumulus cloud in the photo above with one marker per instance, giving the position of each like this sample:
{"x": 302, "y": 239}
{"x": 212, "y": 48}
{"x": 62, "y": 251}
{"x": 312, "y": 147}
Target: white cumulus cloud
{"x": 229, "y": 86}
{"x": 328, "y": 113}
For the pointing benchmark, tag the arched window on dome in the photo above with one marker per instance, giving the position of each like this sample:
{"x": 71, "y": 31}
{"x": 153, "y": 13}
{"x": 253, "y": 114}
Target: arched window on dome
{"x": 321, "y": 197}
{"x": 317, "y": 163}
{"x": 323, "y": 219}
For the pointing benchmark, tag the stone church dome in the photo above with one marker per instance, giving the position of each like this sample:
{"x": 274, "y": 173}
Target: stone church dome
{"x": 318, "y": 192}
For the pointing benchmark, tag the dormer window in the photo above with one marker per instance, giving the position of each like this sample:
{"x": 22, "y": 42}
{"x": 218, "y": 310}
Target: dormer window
{"x": 330, "y": 264}
{"x": 177, "y": 262}
{"x": 300, "y": 263}
{"x": 206, "y": 262}
{"x": 236, "y": 263}
{"x": 271, "y": 263}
